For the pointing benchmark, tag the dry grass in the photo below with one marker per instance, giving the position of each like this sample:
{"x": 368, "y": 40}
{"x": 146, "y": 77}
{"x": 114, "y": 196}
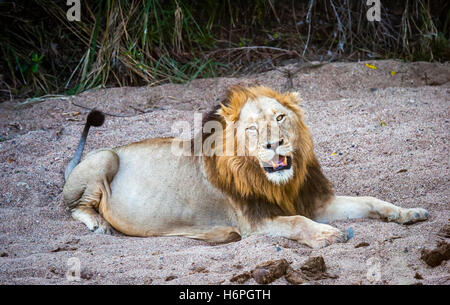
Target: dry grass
{"x": 122, "y": 43}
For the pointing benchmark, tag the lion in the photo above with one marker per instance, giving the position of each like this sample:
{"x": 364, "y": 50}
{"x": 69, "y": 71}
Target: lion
{"x": 274, "y": 186}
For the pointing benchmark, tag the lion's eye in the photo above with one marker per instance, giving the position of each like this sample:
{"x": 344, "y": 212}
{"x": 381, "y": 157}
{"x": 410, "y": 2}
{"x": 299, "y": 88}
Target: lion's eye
{"x": 280, "y": 117}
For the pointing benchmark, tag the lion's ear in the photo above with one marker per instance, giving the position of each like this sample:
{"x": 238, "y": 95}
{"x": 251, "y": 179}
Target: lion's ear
{"x": 295, "y": 97}
{"x": 226, "y": 113}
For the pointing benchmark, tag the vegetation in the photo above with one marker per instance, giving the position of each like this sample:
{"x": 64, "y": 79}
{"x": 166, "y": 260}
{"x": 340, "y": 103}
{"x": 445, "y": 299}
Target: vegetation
{"x": 132, "y": 42}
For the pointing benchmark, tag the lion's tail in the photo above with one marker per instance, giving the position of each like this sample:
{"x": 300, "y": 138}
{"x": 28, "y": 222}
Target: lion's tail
{"x": 94, "y": 118}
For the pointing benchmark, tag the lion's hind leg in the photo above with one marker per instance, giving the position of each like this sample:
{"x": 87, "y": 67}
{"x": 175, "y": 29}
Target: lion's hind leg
{"x": 93, "y": 220}
{"x": 88, "y": 187}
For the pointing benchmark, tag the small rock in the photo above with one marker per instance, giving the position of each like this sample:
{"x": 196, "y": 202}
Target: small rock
{"x": 350, "y": 233}
{"x": 73, "y": 241}
{"x": 434, "y": 257}
{"x": 362, "y": 244}
{"x": 314, "y": 265}
{"x": 148, "y": 281}
{"x": 315, "y": 269}
{"x": 86, "y": 275}
{"x": 417, "y": 276}
{"x": 294, "y": 277}
{"x": 63, "y": 248}
{"x": 170, "y": 278}
{"x": 445, "y": 231}
{"x": 4, "y": 254}
{"x": 241, "y": 278}
{"x": 24, "y": 184}
{"x": 199, "y": 270}
{"x": 391, "y": 239}
{"x": 57, "y": 249}
{"x": 269, "y": 271}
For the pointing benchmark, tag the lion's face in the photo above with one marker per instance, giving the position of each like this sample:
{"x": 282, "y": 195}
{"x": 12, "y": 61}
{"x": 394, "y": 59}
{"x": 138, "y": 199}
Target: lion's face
{"x": 272, "y": 145}
{"x": 267, "y": 129}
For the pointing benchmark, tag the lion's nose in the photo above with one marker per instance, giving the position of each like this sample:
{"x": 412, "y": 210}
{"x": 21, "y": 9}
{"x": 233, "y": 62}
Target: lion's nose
{"x": 273, "y": 145}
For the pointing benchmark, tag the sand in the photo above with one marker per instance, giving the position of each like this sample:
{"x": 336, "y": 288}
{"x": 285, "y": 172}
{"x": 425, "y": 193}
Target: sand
{"x": 375, "y": 134}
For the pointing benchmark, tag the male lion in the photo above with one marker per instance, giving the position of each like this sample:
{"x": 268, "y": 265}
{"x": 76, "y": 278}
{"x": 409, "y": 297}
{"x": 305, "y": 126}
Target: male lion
{"x": 275, "y": 187}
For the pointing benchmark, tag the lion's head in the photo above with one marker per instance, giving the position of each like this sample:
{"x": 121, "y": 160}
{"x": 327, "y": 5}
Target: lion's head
{"x": 272, "y": 147}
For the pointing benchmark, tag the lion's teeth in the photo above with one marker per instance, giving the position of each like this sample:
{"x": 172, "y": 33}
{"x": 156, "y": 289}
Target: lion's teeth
{"x": 274, "y": 165}
{"x": 279, "y": 163}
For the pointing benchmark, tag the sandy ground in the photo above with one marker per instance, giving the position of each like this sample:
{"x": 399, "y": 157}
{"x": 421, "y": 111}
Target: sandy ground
{"x": 375, "y": 133}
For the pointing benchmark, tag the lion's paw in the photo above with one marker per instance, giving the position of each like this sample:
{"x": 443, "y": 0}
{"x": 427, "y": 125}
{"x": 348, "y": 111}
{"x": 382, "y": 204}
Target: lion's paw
{"x": 410, "y": 216}
{"x": 327, "y": 235}
{"x": 103, "y": 228}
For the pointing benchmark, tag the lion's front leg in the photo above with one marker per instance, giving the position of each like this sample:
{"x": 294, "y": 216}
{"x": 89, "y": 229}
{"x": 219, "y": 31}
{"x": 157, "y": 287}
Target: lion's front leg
{"x": 301, "y": 229}
{"x": 345, "y": 207}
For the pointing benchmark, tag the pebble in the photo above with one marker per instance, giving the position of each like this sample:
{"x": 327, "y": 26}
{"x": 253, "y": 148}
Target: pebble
{"x": 21, "y": 183}
{"x": 350, "y": 233}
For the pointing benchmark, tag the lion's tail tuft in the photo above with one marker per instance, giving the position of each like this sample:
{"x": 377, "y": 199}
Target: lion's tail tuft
{"x": 95, "y": 118}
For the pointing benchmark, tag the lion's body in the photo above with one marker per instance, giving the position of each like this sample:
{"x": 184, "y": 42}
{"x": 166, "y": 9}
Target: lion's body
{"x": 144, "y": 189}
{"x": 153, "y": 192}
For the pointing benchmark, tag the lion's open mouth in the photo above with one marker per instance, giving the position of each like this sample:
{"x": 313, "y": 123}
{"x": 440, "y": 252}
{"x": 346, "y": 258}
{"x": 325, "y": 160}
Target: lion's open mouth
{"x": 278, "y": 163}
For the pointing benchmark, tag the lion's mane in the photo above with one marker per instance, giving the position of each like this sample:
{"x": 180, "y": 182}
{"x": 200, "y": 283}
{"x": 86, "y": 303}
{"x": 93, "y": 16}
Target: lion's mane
{"x": 242, "y": 178}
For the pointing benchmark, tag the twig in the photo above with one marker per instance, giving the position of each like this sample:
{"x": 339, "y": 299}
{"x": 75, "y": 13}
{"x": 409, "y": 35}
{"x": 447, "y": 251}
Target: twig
{"x": 289, "y": 74}
{"x": 340, "y": 28}
{"x": 350, "y": 25}
{"x": 137, "y": 109}
{"x": 40, "y": 99}
{"x": 252, "y": 48}
{"x": 308, "y": 20}
{"x": 115, "y": 115}
{"x": 274, "y": 12}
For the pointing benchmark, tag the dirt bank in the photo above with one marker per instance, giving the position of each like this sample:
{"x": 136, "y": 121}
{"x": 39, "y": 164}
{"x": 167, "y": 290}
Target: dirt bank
{"x": 375, "y": 134}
